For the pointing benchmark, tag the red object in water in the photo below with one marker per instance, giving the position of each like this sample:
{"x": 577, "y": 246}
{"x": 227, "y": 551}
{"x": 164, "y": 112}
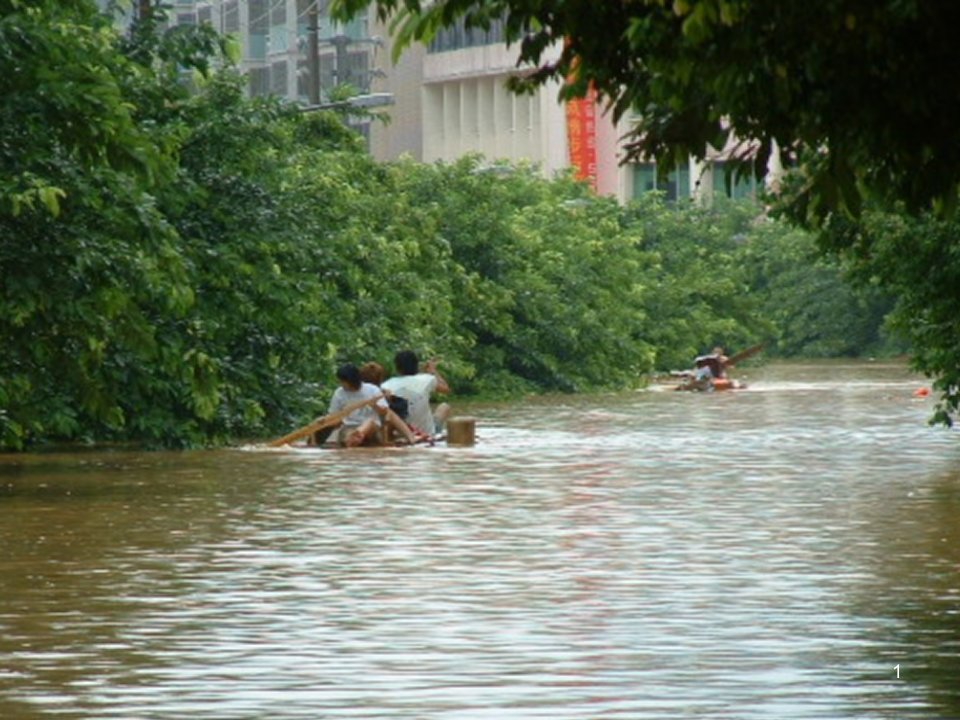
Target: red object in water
{"x": 921, "y": 392}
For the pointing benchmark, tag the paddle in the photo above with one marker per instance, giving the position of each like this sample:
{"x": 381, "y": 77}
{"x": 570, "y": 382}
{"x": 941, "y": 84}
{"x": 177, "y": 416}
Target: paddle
{"x": 323, "y": 422}
{"x": 744, "y": 354}
{"x": 689, "y": 383}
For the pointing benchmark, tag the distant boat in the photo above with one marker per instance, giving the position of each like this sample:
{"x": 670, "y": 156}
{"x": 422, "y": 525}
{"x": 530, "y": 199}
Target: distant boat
{"x": 717, "y": 378}
{"x": 692, "y": 384}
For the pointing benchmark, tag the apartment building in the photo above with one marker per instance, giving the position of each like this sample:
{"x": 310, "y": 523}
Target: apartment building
{"x": 449, "y": 99}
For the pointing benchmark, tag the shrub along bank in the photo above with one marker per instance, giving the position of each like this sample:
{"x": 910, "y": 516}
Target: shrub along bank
{"x": 188, "y": 267}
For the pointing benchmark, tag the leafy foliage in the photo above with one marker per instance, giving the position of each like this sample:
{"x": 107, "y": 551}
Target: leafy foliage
{"x": 547, "y": 292}
{"x": 84, "y": 250}
{"x": 808, "y": 298}
{"x": 919, "y": 259}
{"x": 700, "y": 296}
{"x": 857, "y": 98}
{"x": 181, "y": 265}
{"x": 862, "y": 92}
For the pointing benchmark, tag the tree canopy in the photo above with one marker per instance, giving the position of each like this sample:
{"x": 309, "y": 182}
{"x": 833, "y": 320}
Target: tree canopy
{"x": 862, "y": 91}
{"x": 858, "y": 97}
{"x": 181, "y": 264}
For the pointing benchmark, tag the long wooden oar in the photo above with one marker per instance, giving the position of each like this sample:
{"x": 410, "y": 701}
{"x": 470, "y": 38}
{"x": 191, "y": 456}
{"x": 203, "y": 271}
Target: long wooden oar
{"x": 744, "y": 354}
{"x": 323, "y": 422}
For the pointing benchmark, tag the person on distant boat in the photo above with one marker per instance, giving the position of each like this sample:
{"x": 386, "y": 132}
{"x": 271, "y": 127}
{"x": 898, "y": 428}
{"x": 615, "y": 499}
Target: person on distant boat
{"x": 361, "y": 426}
{"x": 717, "y": 362}
{"x": 416, "y": 387}
{"x": 707, "y": 369}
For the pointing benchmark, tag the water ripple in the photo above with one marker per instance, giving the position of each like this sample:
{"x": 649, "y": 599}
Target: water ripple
{"x": 771, "y": 553}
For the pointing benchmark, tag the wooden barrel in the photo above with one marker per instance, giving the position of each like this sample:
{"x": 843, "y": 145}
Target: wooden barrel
{"x": 461, "y": 431}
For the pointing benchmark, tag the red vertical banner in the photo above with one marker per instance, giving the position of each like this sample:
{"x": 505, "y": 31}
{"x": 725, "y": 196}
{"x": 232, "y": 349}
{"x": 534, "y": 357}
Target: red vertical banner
{"x": 582, "y": 136}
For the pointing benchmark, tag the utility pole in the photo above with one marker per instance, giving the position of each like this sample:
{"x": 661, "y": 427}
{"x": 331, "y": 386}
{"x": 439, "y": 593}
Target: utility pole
{"x": 340, "y": 43}
{"x": 313, "y": 53}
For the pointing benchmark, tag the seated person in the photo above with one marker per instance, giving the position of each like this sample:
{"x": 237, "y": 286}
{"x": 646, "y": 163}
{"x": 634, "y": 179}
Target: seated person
{"x": 374, "y": 373}
{"x": 416, "y": 387}
{"x": 706, "y": 369}
{"x": 362, "y": 426}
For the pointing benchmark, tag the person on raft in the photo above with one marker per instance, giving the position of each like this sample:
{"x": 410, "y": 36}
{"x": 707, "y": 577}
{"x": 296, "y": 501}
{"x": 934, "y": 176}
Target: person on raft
{"x": 716, "y": 363}
{"x": 706, "y": 369}
{"x": 362, "y": 426}
{"x": 415, "y": 386}
{"x": 375, "y": 374}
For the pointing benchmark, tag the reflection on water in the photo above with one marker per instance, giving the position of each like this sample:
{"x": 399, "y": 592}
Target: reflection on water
{"x": 770, "y": 553}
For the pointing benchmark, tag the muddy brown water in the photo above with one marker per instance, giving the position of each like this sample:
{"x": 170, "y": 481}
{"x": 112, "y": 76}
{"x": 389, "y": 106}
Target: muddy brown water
{"x": 787, "y": 551}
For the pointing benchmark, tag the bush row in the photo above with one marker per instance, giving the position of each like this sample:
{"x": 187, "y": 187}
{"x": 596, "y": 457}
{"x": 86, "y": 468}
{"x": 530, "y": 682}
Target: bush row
{"x": 185, "y": 267}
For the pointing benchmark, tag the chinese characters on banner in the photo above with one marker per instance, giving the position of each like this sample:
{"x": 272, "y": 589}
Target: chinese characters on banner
{"x": 582, "y": 136}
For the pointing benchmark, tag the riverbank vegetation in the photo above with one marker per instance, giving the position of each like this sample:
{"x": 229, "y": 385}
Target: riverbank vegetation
{"x": 855, "y": 99}
{"x": 182, "y": 266}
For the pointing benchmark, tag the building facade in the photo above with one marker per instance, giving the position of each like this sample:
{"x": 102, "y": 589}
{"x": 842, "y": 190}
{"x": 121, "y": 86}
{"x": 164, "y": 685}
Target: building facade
{"x": 274, "y": 38}
{"x": 449, "y": 99}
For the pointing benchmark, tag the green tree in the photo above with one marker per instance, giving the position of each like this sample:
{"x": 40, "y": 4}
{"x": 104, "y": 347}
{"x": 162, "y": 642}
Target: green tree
{"x": 808, "y": 298}
{"x": 83, "y": 250}
{"x": 302, "y": 253}
{"x": 858, "y": 97}
{"x": 182, "y": 265}
{"x": 870, "y": 83}
{"x": 918, "y": 259}
{"x": 547, "y": 290}
{"x": 700, "y": 294}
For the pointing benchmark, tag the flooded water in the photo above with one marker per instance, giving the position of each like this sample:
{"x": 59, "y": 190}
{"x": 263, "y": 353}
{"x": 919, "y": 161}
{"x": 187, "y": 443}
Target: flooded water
{"x": 787, "y": 551}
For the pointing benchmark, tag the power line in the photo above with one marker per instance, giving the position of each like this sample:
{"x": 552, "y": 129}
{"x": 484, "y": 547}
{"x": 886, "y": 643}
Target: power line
{"x": 321, "y": 6}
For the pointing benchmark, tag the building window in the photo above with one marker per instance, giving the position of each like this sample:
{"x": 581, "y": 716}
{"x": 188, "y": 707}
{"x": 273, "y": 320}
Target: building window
{"x": 259, "y": 17}
{"x": 259, "y": 81}
{"x": 357, "y": 29}
{"x": 303, "y": 80}
{"x": 675, "y": 187}
{"x": 278, "y": 79}
{"x": 257, "y": 47}
{"x": 744, "y": 187}
{"x": 459, "y": 37}
{"x": 357, "y": 72}
{"x": 231, "y": 16}
{"x": 328, "y": 71}
{"x": 278, "y": 38}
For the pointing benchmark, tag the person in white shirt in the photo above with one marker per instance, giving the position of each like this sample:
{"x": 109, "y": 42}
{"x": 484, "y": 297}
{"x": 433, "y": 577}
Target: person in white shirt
{"x": 362, "y": 426}
{"x": 416, "y": 388}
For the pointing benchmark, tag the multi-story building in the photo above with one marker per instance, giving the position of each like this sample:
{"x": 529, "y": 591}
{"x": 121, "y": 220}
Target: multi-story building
{"x": 449, "y": 99}
{"x": 274, "y": 37}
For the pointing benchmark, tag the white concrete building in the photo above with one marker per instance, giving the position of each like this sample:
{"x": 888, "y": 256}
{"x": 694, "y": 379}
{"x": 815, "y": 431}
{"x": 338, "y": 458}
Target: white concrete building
{"x": 449, "y": 99}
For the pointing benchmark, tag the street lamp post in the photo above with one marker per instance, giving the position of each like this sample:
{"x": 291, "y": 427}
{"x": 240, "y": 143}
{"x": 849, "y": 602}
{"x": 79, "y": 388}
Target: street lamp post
{"x": 341, "y": 71}
{"x": 359, "y": 102}
{"x": 313, "y": 54}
